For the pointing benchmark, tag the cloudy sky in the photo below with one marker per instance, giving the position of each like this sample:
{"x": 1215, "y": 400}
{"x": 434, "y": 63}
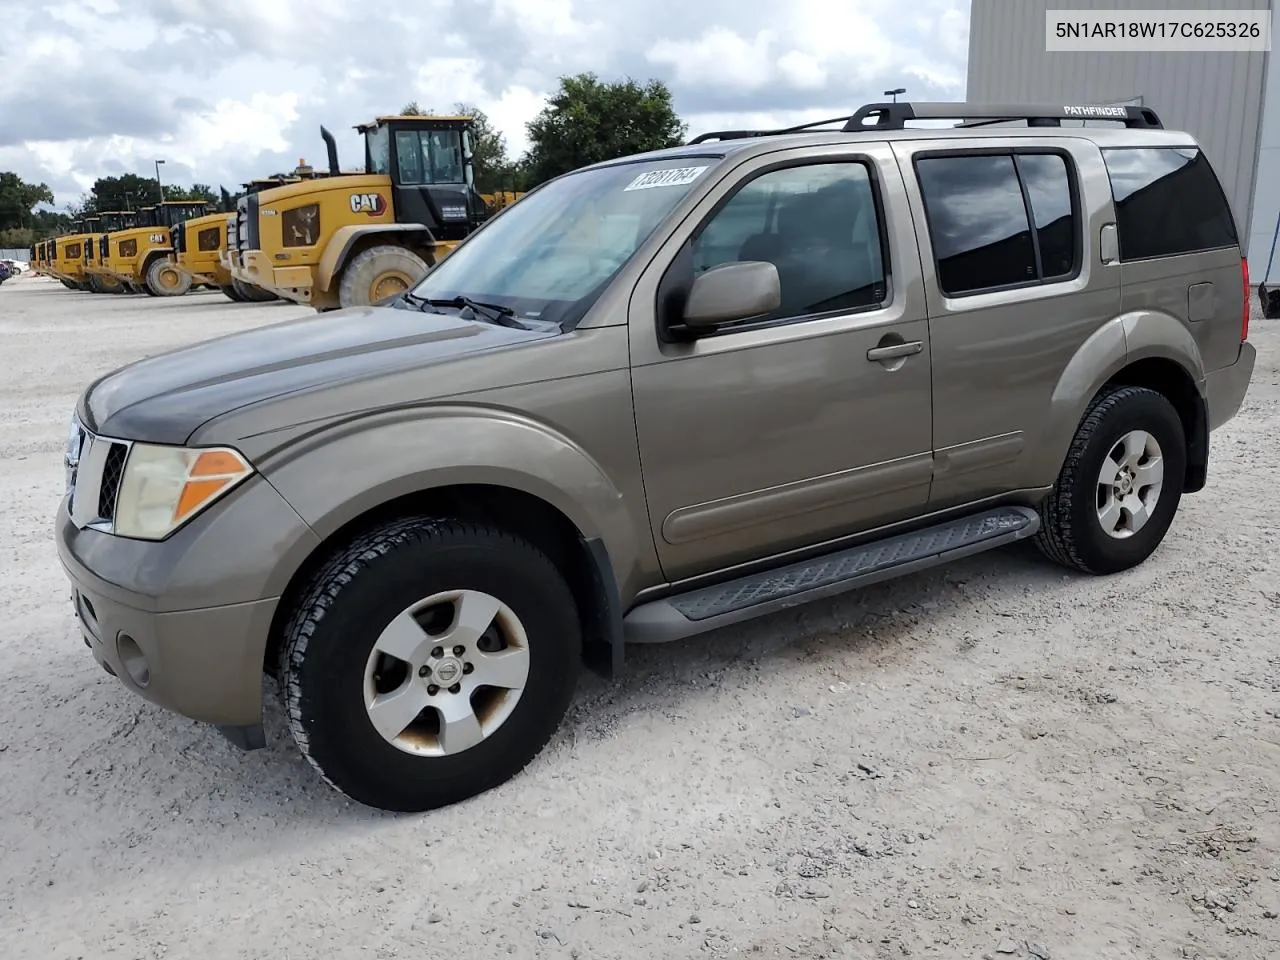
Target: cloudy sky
{"x": 225, "y": 90}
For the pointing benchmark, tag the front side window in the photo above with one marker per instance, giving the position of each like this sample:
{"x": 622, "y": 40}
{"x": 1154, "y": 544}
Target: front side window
{"x": 1168, "y": 202}
{"x": 550, "y": 255}
{"x": 981, "y": 209}
{"x": 817, "y": 224}
{"x": 378, "y": 150}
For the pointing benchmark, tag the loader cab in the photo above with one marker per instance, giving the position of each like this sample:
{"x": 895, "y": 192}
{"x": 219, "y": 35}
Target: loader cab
{"x": 173, "y": 212}
{"x": 430, "y": 165}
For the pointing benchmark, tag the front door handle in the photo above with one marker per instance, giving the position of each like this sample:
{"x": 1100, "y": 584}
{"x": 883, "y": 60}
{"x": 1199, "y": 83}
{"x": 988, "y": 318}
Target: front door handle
{"x": 895, "y": 350}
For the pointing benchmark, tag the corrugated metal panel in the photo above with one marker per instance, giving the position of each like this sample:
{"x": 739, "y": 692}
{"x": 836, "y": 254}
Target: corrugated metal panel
{"x": 1217, "y": 97}
{"x": 1266, "y": 197}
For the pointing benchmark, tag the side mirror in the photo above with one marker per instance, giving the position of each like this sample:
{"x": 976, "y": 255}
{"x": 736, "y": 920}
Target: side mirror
{"x": 733, "y": 291}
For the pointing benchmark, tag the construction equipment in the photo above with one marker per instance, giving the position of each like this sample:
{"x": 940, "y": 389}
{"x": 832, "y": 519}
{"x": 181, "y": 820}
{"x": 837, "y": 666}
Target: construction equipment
{"x": 347, "y": 239}
{"x": 138, "y": 256}
{"x": 238, "y": 289}
{"x": 96, "y": 275}
{"x": 67, "y": 257}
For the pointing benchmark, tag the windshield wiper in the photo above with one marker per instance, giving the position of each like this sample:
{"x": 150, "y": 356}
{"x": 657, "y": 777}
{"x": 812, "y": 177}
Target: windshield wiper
{"x": 495, "y": 312}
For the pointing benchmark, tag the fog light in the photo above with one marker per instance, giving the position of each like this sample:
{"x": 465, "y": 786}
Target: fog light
{"x": 133, "y": 660}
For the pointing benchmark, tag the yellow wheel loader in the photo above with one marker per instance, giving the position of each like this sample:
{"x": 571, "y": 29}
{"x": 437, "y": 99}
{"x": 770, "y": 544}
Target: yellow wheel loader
{"x": 96, "y": 275}
{"x": 67, "y": 256}
{"x": 138, "y": 257}
{"x": 347, "y": 239}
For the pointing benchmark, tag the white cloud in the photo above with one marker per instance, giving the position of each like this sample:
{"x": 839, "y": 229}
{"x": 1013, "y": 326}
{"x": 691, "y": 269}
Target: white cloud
{"x": 227, "y": 91}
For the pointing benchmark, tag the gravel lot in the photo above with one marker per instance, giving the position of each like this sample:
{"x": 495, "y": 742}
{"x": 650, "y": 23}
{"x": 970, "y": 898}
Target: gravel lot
{"x": 990, "y": 759}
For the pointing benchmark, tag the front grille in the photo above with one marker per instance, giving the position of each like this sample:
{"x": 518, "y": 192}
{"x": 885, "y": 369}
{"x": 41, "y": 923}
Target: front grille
{"x": 112, "y": 474}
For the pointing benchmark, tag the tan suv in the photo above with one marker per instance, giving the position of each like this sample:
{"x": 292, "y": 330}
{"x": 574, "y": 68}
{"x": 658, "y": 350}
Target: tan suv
{"x": 657, "y": 396}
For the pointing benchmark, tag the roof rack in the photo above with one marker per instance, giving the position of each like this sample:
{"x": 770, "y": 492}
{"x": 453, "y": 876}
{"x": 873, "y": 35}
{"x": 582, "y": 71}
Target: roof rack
{"x": 741, "y": 134}
{"x": 895, "y": 116}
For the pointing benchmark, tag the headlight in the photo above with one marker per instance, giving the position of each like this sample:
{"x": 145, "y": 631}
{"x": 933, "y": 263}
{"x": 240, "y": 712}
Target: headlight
{"x": 163, "y": 487}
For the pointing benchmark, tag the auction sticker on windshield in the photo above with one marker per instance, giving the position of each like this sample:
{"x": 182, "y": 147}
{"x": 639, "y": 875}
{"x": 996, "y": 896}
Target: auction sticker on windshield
{"x": 677, "y": 177}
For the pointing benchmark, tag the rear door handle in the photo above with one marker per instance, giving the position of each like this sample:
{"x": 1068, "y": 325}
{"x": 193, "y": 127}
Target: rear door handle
{"x": 894, "y": 351}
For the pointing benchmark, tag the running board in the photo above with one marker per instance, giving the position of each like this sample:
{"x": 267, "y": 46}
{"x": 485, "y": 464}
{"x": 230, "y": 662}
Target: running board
{"x": 757, "y": 594}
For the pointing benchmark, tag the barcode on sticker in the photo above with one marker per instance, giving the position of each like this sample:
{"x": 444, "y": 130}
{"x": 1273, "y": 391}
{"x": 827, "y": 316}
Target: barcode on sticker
{"x": 677, "y": 177}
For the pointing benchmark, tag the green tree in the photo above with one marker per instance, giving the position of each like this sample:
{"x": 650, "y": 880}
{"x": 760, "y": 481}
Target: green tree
{"x": 413, "y": 109}
{"x": 18, "y": 198}
{"x": 197, "y": 191}
{"x": 125, "y": 192}
{"x": 588, "y": 121}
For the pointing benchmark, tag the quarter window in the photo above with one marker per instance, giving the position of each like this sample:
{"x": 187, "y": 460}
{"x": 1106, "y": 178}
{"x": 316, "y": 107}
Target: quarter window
{"x": 981, "y": 208}
{"x": 1168, "y": 202}
{"x": 818, "y": 224}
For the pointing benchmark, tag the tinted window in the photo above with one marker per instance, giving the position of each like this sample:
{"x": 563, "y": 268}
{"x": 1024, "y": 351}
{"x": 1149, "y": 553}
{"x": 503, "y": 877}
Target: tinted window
{"x": 1168, "y": 202}
{"x": 978, "y": 222}
{"x": 1045, "y": 177}
{"x": 817, "y": 224}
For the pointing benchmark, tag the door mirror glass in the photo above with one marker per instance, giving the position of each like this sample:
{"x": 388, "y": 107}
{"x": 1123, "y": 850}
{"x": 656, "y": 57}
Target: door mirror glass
{"x": 731, "y": 292}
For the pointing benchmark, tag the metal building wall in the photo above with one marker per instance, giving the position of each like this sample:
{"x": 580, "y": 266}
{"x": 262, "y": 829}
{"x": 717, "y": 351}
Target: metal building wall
{"x": 1217, "y": 97}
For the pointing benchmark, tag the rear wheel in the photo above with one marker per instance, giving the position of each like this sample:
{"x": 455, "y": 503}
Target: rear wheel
{"x": 167, "y": 279}
{"x": 231, "y": 293}
{"x": 429, "y": 662}
{"x": 1120, "y": 485}
{"x": 251, "y": 293}
{"x": 378, "y": 273}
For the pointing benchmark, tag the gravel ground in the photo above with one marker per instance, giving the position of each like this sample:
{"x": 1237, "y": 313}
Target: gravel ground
{"x": 993, "y": 759}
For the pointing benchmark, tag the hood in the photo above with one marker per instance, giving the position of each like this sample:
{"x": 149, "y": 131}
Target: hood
{"x": 165, "y": 398}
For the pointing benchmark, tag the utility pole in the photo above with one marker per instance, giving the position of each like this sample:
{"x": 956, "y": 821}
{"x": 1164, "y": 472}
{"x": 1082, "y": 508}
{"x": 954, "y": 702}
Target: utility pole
{"x": 159, "y": 185}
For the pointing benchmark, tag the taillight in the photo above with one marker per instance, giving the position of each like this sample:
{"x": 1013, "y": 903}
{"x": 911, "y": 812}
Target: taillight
{"x": 1244, "y": 320}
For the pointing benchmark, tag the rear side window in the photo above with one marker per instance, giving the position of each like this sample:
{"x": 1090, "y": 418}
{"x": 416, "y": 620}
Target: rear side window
{"x": 1168, "y": 202}
{"x": 1000, "y": 219}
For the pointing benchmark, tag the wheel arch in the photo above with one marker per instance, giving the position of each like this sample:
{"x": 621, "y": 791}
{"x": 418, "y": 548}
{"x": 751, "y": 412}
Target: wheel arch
{"x": 349, "y": 240}
{"x": 583, "y": 560}
{"x": 1145, "y": 348}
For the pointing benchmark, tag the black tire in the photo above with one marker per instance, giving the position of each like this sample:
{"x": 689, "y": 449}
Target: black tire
{"x": 334, "y": 626}
{"x": 231, "y": 293}
{"x": 166, "y": 279}
{"x": 1269, "y": 299}
{"x": 1070, "y": 531}
{"x": 250, "y": 293}
{"x": 395, "y": 268}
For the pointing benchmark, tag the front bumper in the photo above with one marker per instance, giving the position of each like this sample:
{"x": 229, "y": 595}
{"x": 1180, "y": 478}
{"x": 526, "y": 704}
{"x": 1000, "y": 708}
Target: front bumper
{"x": 184, "y": 622}
{"x": 1225, "y": 388}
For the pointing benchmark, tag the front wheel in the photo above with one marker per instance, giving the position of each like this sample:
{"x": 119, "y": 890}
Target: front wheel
{"x": 167, "y": 279}
{"x": 429, "y": 662}
{"x": 378, "y": 273}
{"x": 1120, "y": 486}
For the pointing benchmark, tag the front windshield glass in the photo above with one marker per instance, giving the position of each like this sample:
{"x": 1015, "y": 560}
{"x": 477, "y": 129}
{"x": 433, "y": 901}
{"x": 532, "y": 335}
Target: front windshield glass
{"x": 378, "y": 147}
{"x": 552, "y": 253}
{"x": 112, "y": 222}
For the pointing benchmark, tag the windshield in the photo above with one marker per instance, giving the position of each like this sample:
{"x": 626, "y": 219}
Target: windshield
{"x": 112, "y": 222}
{"x": 551, "y": 254}
{"x": 429, "y": 156}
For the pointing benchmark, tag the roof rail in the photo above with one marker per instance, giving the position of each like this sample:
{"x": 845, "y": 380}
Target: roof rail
{"x": 742, "y": 134}
{"x": 894, "y": 116}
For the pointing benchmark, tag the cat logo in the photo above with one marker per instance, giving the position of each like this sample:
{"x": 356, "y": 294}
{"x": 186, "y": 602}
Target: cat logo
{"x": 159, "y": 238}
{"x": 369, "y": 203}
